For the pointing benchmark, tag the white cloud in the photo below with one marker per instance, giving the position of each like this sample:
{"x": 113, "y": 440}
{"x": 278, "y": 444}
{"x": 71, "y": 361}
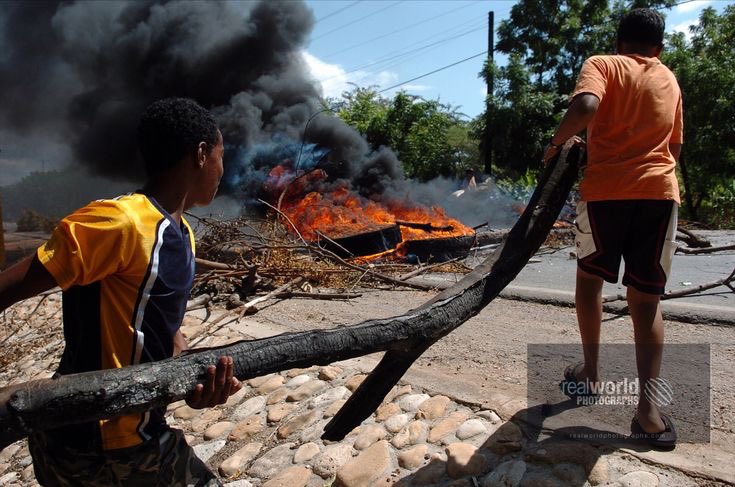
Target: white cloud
{"x": 691, "y": 6}
{"x": 684, "y": 27}
{"x": 334, "y": 80}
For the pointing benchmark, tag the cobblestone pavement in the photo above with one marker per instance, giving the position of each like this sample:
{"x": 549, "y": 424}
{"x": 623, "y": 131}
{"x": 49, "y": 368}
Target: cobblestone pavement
{"x": 268, "y": 434}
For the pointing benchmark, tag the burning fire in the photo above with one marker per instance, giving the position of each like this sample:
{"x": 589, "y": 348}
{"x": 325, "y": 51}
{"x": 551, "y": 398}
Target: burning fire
{"x": 342, "y": 213}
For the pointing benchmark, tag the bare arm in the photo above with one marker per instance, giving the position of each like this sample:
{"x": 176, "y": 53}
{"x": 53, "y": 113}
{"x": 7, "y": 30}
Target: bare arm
{"x": 675, "y": 150}
{"x": 580, "y": 113}
{"x": 23, "y": 280}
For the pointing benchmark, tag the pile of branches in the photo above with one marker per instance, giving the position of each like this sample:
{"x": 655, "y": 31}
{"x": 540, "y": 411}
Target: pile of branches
{"x": 245, "y": 259}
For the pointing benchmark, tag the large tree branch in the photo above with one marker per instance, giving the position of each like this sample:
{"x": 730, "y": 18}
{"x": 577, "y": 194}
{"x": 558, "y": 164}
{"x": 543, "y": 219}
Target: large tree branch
{"x": 70, "y": 399}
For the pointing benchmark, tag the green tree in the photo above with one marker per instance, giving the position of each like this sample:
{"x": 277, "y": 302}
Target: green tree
{"x": 430, "y": 138}
{"x": 554, "y": 37}
{"x": 705, "y": 69}
{"x": 521, "y": 119}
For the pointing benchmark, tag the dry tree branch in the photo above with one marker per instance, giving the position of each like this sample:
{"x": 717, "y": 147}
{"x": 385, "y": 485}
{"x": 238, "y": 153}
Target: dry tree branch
{"x": 705, "y": 250}
{"x": 725, "y": 281}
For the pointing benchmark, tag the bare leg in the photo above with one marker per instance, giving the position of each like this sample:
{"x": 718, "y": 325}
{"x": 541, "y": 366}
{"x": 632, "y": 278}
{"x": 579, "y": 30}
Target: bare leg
{"x": 648, "y": 327}
{"x": 588, "y": 300}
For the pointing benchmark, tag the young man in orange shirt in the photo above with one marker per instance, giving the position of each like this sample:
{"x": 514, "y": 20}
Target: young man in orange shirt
{"x": 126, "y": 266}
{"x": 630, "y": 104}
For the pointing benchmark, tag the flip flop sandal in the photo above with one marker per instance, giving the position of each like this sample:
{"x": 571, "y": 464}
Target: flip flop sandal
{"x": 571, "y": 386}
{"x": 665, "y": 440}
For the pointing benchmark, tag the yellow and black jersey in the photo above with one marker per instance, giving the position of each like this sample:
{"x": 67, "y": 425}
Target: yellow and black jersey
{"x": 126, "y": 269}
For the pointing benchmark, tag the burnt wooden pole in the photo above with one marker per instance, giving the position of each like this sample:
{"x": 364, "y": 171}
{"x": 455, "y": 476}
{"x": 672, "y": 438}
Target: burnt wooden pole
{"x": 77, "y": 398}
{"x": 488, "y": 152}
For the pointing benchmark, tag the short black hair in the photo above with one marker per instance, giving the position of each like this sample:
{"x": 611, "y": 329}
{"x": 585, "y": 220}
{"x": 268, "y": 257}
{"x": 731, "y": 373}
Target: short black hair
{"x": 642, "y": 26}
{"x": 170, "y": 128}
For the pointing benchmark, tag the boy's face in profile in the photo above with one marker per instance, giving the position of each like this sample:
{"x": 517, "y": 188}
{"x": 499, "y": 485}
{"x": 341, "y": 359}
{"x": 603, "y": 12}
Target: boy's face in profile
{"x": 210, "y": 173}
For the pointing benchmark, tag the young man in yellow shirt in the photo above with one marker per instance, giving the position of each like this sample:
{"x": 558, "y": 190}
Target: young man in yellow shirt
{"x": 630, "y": 104}
{"x": 126, "y": 266}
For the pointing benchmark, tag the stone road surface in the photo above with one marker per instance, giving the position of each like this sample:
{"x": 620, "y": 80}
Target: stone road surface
{"x": 434, "y": 428}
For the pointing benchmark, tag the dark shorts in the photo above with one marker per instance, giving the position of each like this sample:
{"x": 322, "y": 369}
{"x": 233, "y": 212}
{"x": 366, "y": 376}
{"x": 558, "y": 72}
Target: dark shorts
{"x": 642, "y": 232}
{"x": 167, "y": 460}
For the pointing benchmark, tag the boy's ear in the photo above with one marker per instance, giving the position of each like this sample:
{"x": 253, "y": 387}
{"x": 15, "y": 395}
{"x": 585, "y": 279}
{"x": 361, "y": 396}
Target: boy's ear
{"x": 201, "y": 154}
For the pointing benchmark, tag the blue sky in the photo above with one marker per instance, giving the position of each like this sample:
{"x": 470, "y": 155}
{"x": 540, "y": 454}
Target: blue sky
{"x": 371, "y": 43}
{"x": 386, "y": 42}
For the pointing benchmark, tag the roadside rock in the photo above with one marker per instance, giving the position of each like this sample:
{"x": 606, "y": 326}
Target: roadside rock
{"x": 412, "y": 434}
{"x": 395, "y": 423}
{"x": 565, "y": 452}
{"x": 411, "y": 402}
{"x": 464, "y": 459}
{"x": 600, "y": 472}
{"x": 328, "y": 397}
{"x": 470, "y": 428}
{"x": 271, "y": 384}
{"x": 273, "y": 461}
{"x": 446, "y": 426}
{"x": 331, "y": 459}
{"x": 205, "y": 451}
{"x": 368, "y": 466}
{"x": 186, "y": 413}
{"x": 329, "y": 372}
{"x": 506, "y": 439}
{"x": 291, "y": 477}
{"x": 246, "y": 428}
{"x": 431, "y": 474}
{"x": 297, "y": 423}
{"x": 259, "y": 381}
{"x": 433, "y": 408}
{"x": 218, "y": 429}
{"x": 297, "y": 381}
{"x": 235, "y": 464}
{"x": 277, "y": 396}
{"x": 413, "y": 457}
{"x": 507, "y": 474}
{"x": 354, "y": 382}
{"x": 306, "y": 452}
{"x": 334, "y": 407}
{"x": 385, "y": 411}
{"x": 305, "y": 390}
{"x": 279, "y": 411}
{"x": 248, "y": 408}
{"x": 638, "y": 479}
{"x": 369, "y": 434}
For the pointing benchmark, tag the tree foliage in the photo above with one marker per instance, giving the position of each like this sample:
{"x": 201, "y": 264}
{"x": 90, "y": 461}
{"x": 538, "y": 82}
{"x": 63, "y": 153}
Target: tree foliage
{"x": 705, "y": 69}
{"x": 430, "y": 139}
{"x": 548, "y": 40}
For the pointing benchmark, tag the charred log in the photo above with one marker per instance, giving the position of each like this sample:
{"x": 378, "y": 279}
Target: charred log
{"x": 70, "y": 399}
{"x": 364, "y": 243}
{"x": 439, "y": 249}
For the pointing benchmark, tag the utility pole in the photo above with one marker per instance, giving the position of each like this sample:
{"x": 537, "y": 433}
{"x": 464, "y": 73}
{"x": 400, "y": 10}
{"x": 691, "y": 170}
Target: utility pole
{"x": 488, "y": 152}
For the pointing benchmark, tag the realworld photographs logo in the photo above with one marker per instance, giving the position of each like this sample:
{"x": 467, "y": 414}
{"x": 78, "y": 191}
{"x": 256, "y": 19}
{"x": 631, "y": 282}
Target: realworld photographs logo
{"x": 604, "y": 409}
{"x": 618, "y": 393}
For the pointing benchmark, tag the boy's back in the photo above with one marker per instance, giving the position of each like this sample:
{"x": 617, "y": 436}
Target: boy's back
{"x": 628, "y": 138}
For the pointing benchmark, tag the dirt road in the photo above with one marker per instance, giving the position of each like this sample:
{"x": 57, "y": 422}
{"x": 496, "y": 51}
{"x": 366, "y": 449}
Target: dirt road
{"x": 484, "y": 362}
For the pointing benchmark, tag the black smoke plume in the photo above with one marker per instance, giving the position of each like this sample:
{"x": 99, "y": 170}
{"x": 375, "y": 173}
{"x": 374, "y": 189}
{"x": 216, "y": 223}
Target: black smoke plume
{"x": 87, "y": 70}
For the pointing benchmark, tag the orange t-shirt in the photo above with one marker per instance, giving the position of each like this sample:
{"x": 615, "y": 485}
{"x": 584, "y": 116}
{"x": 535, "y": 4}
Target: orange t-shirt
{"x": 628, "y": 139}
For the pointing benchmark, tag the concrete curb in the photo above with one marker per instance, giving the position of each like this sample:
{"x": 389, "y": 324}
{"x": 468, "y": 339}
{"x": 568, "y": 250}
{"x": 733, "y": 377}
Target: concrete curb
{"x": 672, "y": 310}
{"x": 685, "y": 312}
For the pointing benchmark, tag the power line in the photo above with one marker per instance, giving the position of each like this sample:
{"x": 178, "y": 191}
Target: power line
{"x": 356, "y": 21}
{"x": 337, "y": 11}
{"x": 402, "y": 29}
{"x": 463, "y": 31}
{"x": 404, "y": 57}
{"x": 435, "y": 71}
